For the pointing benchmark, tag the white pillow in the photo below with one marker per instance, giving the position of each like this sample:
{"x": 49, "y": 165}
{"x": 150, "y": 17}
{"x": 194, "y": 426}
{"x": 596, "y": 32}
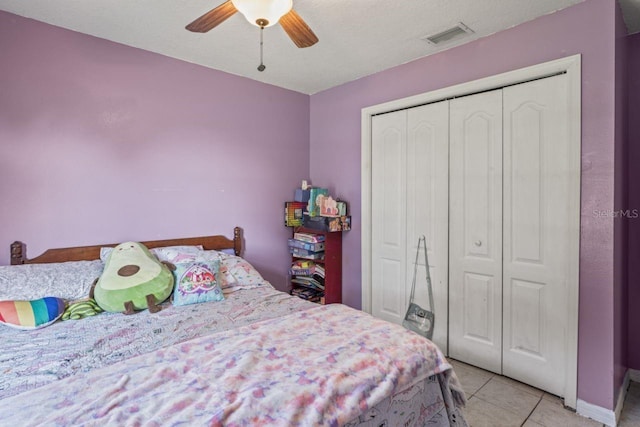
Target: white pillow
{"x": 165, "y": 253}
{"x": 68, "y": 280}
{"x": 238, "y": 272}
{"x": 172, "y": 254}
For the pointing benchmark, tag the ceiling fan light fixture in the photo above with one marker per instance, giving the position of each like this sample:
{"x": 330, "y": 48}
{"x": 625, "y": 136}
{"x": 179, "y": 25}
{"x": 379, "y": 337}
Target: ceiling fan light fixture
{"x": 259, "y": 11}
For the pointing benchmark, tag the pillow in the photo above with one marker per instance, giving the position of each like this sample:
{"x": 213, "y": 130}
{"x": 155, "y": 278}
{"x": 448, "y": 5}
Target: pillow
{"x": 235, "y": 272}
{"x": 196, "y": 281}
{"x": 31, "y": 314}
{"x": 172, "y": 253}
{"x": 68, "y": 280}
{"x": 228, "y": 251}
{"x": 241, "y": 274}
{"x": 225, "y": 279}
{"x": 133, "y": 279}
{"x": 163, "y": 253}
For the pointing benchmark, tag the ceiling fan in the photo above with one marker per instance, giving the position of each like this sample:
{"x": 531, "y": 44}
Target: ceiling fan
{"x": 261, "y": 13}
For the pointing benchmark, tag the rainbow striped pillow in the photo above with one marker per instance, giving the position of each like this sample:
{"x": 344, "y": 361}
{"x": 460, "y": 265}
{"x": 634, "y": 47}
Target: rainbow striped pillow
{"x": 31, "y": 314}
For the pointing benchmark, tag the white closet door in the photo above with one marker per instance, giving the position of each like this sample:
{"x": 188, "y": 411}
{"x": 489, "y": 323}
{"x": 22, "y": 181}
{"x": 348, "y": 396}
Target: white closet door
{"x": 537, "y": 224}
{"x": 475, "y": 236}
{"x": 389, "y": 293}
{"x": 427, "y": 207}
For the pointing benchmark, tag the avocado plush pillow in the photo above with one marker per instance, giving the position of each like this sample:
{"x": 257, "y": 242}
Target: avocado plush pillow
{"x": 197, "y": 281}
{"x": 131, "y": 273}
{"x": 32, "y": 314}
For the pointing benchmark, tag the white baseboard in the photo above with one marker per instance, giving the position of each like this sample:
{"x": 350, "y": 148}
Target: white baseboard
{"x": 597, "y": 413}
{"x": 607, "y": 416}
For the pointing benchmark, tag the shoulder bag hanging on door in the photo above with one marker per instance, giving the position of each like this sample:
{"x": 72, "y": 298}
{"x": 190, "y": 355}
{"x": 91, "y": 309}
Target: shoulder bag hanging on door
{"x": 417, "y": 318}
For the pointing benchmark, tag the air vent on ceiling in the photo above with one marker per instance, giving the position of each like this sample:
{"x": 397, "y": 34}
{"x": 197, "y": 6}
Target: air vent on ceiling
{"x": 450, "y": 34}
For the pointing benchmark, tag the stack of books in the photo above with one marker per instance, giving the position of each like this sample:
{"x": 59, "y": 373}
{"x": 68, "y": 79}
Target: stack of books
{"x": 307, "y": 276}
{"x": 310, "y": 295}
{"x": 308, "y": 246}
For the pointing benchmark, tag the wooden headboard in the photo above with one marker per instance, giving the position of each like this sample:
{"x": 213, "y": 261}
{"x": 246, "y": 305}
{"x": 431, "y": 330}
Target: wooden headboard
{"x": 88, "y": 253}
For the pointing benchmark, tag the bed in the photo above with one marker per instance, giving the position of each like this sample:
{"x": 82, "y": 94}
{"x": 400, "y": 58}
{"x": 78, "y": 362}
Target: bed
{"x": 259, "y": 357}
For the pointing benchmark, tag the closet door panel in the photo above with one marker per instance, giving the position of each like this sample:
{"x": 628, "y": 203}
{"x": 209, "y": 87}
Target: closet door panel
{"x": 427, "y": 207}
{"x": 537, "y": 223}
{"x": 388, "y": 217}
{"x": 475, "y": 236}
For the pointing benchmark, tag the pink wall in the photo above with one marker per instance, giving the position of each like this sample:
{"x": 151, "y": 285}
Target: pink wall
{"x": 588, "y": 29}
{"x": 101, "y": 142}
{"x": 634, "y": 201}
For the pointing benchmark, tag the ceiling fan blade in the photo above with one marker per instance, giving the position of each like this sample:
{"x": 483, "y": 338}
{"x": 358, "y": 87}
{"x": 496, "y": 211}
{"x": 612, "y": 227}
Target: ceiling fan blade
{"x": 213, "y": 18}
{"x": 298, "y": 30}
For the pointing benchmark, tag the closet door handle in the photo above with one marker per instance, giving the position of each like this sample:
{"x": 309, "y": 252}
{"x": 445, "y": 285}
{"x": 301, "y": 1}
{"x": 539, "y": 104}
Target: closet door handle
{"x": 478, "y": 243}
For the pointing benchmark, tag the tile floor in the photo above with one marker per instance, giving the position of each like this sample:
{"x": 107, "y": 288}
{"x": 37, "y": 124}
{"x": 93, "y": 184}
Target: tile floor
{"x": 497, "y": 401}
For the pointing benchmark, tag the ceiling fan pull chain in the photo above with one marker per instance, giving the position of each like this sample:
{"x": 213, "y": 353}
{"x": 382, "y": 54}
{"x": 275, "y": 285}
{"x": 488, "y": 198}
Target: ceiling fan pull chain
{"x": 261, "y": 67}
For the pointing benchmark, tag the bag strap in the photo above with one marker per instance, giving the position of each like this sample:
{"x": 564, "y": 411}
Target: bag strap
{"x": 422, "y": 241}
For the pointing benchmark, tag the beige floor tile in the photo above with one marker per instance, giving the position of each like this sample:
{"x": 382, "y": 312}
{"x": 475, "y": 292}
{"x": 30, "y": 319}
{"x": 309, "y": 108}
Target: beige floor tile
{"x": 631, "y": 406}
{"x": 630, "y": 416}
{"x": 630, "y": 412}
{"x": 521, "y": 386}
{"x": 479, "y": 413}
{"x": 550, "y": 414}
{"x": 501, "y": 402}
{"x": 471, "y": 378}
{"x": 508, "y": 396}
{"x": 633, "y": 394}
{"x": 629, "y": 419}
{"x": 553, "y": 398}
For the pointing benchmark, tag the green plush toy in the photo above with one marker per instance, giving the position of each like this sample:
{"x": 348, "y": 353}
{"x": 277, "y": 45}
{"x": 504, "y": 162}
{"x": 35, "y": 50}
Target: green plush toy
{"x": 81, "y": 309}
{"x": 133, "y": 279}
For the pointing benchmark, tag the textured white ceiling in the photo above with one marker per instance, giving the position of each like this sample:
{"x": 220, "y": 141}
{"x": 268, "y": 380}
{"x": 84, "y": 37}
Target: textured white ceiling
{"x": 357, "y": 37}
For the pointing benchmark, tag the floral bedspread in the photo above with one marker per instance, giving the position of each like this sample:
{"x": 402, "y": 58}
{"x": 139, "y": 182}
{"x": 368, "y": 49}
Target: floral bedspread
{"x": 323, "y": 366}
{"x": 30, "y": 359}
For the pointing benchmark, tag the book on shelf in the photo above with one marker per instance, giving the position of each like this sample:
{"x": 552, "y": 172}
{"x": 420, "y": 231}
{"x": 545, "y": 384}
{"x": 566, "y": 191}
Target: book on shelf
{"x": 317, "y": 277}
{"x": 301, "y": 253}
{"x": 313, "y": 272}
{"x": 295, "y": 271}
{"x": 303, "y": 263}
{"x": 308, "y": 282}
{"x": 309, "y": 237}
{"x": 306, "y": 268}
{"x": 308, "y": 294}
{"x": 313, "y": 247}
